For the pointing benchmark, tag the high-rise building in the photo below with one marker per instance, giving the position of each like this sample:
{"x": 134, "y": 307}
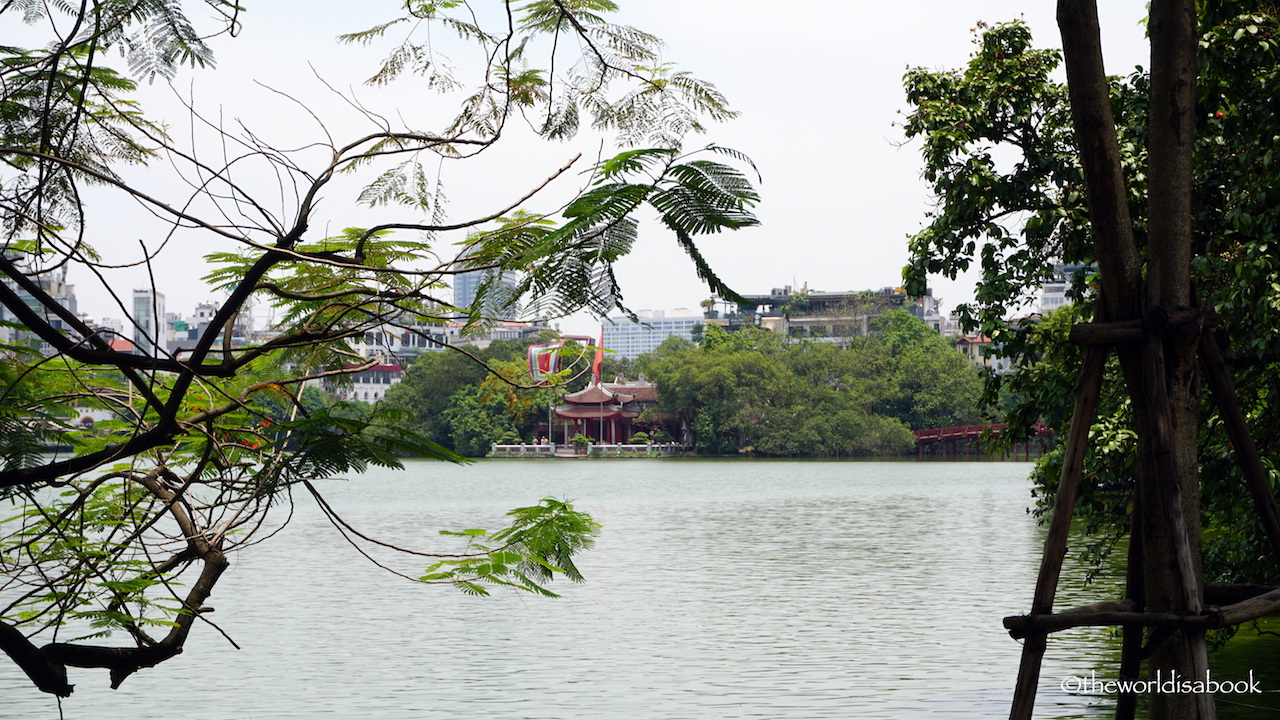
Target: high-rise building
{"x": 498, "y": 305}
{"x": 148, "y": 321}
{"x": 631, "y": 339}
{"x": 52, "y": 283}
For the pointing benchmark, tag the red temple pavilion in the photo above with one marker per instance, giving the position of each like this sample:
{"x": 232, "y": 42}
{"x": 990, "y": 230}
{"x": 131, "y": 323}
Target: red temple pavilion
{"x": 605, "y": 411}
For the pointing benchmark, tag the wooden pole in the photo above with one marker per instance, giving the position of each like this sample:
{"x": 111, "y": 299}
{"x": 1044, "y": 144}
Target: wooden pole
{"x": 1167, "y": 491}
{"x": 1170, "y": 385}
{"x": 1132, "y": 634}
{"x": 1255, "y": 474}
{"x": 1133, "y": 331}
{"x": 1126, "y": 612}
{"x": 1088, "y": 386}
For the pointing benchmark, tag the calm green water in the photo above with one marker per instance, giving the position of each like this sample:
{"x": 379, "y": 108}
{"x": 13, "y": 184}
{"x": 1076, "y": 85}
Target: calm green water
{"x": 718, "y": 589}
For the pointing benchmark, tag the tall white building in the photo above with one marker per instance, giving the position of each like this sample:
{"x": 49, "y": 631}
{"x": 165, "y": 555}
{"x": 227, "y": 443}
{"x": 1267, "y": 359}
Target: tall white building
{"x": 148, "y": 321}
{"x": 631, "y": 339}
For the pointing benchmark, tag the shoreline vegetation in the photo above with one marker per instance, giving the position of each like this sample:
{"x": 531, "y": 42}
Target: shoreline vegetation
{"x": 746, "y": 392}
{"x": 640, "y": 452}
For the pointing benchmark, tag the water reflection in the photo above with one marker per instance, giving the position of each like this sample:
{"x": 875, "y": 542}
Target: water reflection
{"x": 718, "y": 590}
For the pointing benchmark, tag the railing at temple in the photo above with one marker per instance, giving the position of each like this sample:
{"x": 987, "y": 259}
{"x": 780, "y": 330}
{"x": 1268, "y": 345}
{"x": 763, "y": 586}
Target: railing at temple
{"x": 587, "y": 450}
{"x": 522, "y": 450}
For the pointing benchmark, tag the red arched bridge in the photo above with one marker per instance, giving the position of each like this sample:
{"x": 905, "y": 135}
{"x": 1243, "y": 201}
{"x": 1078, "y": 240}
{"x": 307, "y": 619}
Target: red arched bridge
{"x": 958, "y": 442}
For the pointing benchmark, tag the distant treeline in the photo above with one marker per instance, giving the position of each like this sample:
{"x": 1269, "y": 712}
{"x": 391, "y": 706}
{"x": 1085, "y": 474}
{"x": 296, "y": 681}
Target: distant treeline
{"x": 748, "y": 390}
{"x": 755, "y": 389}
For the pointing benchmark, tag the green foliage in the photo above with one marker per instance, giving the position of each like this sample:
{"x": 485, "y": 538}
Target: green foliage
{"x": 616, "y": 79}
{"x": 755, "y": 389}
{"x": 31, "y": 413}
{"x": 1000, "y": 154}
{"x": 66, "y": 118}
{"x": 508, "y": 381}
{"x": 101, "y": 579}
{"x": 924, "y": 382}
{"x": 458, "y": 403}
{"x": 474, "y": 422}
{"x": 999, "y": 150}
{"x": 538, "y": 545}
{"x": 566, "y": 267}
{"x": 132, "y": 529}
{"x": 345, "y": 437}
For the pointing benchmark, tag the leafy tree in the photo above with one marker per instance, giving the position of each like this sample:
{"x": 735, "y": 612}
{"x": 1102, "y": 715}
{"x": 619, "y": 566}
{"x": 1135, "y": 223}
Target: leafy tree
{"x": 442, "y": 389}
{"x": 756, "y": 389}
{"x": 1180, "y": 213}
{"x": 925, "y": 383}
{"x": 521, "y": 404}
{"x": 433, "y": 379}
{"x": 131, "y": 532}
{"x": 614, "y": 366}
{"x": 476, "y": 420}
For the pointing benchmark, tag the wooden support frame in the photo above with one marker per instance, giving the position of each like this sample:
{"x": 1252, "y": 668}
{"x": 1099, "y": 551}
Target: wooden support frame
{"x": 1246, "y": 602}
{"x": 1126, "y": 612}
{"x": 1159, "y": 321}
{"x": 1088, "y": 387}
{"x": 1255, "y": 474}
{"x": 1159, "y": 350}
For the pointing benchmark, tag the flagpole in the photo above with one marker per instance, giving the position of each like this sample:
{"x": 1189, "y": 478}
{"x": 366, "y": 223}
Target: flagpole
{"x": 595, "y": 373}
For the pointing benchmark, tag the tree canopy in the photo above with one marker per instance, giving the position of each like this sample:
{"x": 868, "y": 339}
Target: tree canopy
{"x": 466, "y": 402}
{"x": 129, "y": 532}
{"x": 1158, "y": 190}
{"x": 754, "y": 389}
{"x": 1034, "y": 216}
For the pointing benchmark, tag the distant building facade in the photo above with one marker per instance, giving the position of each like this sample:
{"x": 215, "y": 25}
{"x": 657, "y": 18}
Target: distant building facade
{"x": 1053, "y": 294}
{"x": 184, "y": 333}
{"x": 54, "y": 284}
{"x": 947, "y": 326}
{"x": 630, "y": 339}
{"x": 402, "y": 343}
{"x": 148, "y": 321}
{"x": 827, "y": 316}
{"x": 369, "y": 385}
{"x": 980, "y": 351}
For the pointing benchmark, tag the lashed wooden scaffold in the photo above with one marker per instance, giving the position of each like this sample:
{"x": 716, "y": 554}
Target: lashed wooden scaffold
{"x": 1149, "y": 318}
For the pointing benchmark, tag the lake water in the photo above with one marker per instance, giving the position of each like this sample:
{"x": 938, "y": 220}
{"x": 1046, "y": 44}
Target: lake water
{"x": 717, "y": 589}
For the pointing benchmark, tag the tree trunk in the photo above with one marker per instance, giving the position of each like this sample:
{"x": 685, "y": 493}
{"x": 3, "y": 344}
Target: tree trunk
{"x": 1175, "y": 480}
{"x": 1160, "y": 372}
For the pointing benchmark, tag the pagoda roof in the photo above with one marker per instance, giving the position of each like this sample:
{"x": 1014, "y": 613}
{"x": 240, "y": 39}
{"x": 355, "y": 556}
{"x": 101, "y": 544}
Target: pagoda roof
{"x": 641, "y": 391}
{"x": 595, "y": 394}
{"x": 593, "y": 412}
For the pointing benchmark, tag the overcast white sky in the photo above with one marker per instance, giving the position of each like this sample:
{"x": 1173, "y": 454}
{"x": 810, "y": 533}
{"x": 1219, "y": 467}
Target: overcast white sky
{"x": 820, "y": 92}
